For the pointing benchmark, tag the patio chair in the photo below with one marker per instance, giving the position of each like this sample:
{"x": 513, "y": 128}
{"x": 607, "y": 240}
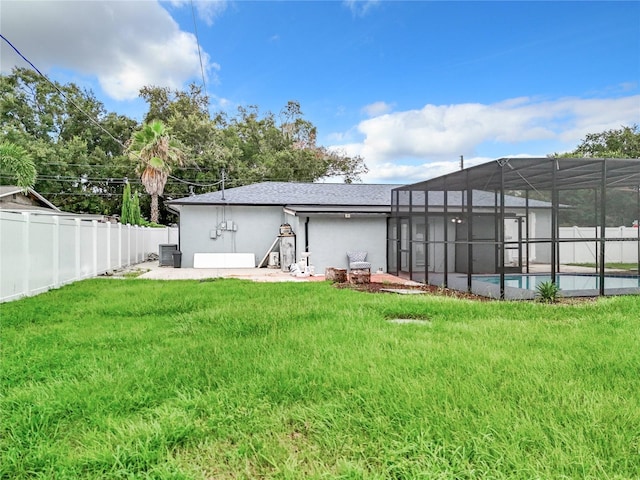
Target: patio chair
{"x": 357, "y": 261}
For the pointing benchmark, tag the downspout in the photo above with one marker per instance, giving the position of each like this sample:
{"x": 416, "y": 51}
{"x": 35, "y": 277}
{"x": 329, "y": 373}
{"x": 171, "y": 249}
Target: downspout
{"x": 306, "y": 235}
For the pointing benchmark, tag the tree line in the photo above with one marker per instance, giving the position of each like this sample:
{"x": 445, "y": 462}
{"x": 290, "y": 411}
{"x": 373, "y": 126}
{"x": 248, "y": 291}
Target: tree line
{"x": 621, "y": 203}
{"x": 84, "y": 155}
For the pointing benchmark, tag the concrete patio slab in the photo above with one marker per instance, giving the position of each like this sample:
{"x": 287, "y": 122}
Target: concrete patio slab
{"x": 153, "y": 271}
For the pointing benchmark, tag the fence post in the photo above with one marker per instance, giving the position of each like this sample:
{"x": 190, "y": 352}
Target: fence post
{"x": 25, "y": 252}
{"x": 621, "y": 244}
{"x": 55, "y": 251}
{"x": 78, "y": 248}
{"x": 108, "y": 245}
{"x": 119, "y": 245}
{"x": 94, "y": 246}
{"x": 137, "y": 235}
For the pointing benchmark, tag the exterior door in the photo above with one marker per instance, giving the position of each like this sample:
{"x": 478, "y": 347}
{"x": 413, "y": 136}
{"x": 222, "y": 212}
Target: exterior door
{"x": 513, "y": 244}
{"x": 404, "y": 260}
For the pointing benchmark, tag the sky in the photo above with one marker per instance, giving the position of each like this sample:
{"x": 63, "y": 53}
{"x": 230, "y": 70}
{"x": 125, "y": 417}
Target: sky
{"x": 410, "y": 86}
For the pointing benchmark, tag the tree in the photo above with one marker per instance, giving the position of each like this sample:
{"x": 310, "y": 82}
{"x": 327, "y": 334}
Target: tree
{"x": 125, "y": 212}
{"x": 78, "y": 152}
{"x": 156, "y": 154}
{"x": 17, "y": 162}
{"x": 620, "y": 143}
{"x": 136, "y": 216}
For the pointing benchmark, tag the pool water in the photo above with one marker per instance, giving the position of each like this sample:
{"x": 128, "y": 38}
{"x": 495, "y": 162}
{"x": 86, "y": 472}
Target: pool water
{"x": 565, "y": 281}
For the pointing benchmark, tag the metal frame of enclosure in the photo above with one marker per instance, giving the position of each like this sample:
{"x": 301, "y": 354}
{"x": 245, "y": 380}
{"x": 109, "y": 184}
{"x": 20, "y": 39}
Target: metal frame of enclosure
{"x": 504, "y": 217}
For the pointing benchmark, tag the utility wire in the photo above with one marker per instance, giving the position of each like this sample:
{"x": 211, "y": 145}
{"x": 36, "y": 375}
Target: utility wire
{"x": 92, "y": 120}
{"x": 195, "y": 29}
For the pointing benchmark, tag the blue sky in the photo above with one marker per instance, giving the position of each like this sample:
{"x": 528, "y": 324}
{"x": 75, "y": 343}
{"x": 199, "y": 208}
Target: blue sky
{"x": 410, "y": 86}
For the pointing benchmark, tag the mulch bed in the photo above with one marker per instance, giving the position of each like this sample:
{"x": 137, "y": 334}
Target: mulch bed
{"x": 377, "y": 287}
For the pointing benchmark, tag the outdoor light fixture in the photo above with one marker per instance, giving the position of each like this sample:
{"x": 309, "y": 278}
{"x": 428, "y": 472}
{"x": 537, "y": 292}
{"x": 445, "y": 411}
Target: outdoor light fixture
{"x": 456, "y": 220}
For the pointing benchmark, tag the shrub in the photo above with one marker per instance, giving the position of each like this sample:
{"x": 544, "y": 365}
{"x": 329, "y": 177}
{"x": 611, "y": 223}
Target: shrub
{"x": 547, "y": 292}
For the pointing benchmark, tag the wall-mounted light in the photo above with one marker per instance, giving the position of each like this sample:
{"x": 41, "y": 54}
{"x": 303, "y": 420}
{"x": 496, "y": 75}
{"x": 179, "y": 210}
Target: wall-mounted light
{"x": 456, "y": 220}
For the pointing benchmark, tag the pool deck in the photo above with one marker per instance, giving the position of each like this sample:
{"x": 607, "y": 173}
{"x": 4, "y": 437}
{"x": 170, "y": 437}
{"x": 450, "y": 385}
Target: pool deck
{"x": 458, "y": 281}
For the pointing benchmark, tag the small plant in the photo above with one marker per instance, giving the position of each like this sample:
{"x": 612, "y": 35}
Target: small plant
{"x": 547, "y": 292}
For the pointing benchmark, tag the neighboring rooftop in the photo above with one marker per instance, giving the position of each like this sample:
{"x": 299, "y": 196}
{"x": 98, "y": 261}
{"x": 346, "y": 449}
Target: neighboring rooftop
{"x": 19, "y": 199}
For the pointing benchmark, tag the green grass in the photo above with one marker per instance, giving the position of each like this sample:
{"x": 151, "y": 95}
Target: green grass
{"x": 129, "y": 379}
{"x": 618, "y": 266}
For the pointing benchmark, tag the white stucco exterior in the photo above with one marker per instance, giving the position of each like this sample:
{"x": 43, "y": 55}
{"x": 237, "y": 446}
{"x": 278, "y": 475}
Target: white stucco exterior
{"x": 328, "y": 237}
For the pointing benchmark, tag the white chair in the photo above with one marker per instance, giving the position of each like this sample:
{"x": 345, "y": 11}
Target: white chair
{"x": 357, "y": 261}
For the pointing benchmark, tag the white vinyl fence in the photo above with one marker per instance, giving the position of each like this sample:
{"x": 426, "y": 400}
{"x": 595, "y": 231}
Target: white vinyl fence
{"x": 39, "y": 251}
{"x": 587, "y": 252}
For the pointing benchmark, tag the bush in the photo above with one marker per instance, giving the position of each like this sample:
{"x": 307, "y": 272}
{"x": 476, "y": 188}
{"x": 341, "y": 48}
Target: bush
{"x": 547, "y": 292}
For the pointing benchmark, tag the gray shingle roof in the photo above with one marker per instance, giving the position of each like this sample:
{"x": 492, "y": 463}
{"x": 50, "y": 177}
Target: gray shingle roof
{"x": 39, "y": 202}
{"x": 334, "y": 194}
{"x": 289, "y": 193}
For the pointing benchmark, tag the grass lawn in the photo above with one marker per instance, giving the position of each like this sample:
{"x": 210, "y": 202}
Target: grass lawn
{"x": 231, "y": 379}
{"x": 617, "y": 266}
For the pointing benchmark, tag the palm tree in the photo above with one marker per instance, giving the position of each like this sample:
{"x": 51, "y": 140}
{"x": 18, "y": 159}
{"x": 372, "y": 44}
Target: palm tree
{"x": 18, "y": 163}
{"x": 156, "y": 154}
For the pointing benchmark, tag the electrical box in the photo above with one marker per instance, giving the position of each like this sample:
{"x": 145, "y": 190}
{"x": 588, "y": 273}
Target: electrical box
{"x": 213, "y": 234}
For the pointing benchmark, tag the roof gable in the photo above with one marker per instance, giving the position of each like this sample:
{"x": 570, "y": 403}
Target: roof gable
{"x": 29, "y": 199}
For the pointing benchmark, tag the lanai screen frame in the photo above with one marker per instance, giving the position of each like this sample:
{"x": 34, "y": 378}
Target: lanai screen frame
{"x": 508, "y": 174}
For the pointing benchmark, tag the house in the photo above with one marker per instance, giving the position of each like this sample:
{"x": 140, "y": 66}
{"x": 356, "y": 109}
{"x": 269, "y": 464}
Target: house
{"x": 14, "y": 198}
{"x": 19, "y": 200}
{"x": 326, "y": 220}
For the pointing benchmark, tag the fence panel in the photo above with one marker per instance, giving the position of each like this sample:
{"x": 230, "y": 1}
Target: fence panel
{"x": 40, "y": 251}
{"x": 40, "y": 256}
{"x": 587, "y": 252}
{"x": 67, "y": 250}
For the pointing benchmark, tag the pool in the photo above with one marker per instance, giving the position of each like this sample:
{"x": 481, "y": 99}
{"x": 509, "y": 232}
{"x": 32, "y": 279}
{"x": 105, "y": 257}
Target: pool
{"x": 566, "y": 281}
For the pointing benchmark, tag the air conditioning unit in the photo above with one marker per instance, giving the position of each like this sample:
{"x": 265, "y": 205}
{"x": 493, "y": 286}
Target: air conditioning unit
{"x": 166, "y": 254}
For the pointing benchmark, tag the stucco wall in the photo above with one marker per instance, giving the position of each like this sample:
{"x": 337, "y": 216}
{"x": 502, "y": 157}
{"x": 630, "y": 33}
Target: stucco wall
{"x": 257, "y": 227}
{"x": 331, "y": 237}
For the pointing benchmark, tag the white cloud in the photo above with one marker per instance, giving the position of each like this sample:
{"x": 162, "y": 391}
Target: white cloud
{"x": 208, "y": 10}
{"x": 360, "y": 7}
{"x": 377, "y": 108}
{"x": 125, "y": 45}
{"x": 414, "y": 144}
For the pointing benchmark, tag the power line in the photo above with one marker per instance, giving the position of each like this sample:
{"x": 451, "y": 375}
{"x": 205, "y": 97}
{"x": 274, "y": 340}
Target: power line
{"x": 91, "y": 119}
{"x": 85, "y": 165}
{"x": 195, "y": 29}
